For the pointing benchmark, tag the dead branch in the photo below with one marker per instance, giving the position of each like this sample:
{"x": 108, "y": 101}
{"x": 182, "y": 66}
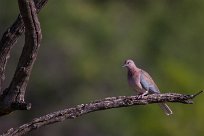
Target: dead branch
{"x": 9, "y": 39}
{"x": 107, "y": 103}
{"x": 13, "y": 97}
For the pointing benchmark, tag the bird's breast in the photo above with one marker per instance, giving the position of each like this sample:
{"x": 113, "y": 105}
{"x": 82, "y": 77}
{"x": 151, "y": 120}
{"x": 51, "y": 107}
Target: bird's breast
{"x": 134, "y": 82}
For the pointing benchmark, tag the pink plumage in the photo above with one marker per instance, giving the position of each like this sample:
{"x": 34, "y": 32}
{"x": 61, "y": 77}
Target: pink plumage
{"x": 142, "y": 83}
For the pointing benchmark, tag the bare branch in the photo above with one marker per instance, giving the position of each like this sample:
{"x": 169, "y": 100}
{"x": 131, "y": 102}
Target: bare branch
{"x": 107, "y": 103}
{"x": 9, "y": 39}
{"x": 14, "y": 96}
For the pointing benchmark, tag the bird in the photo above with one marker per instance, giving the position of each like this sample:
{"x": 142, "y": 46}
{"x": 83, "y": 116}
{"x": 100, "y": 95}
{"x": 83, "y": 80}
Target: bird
{"x": 142, "y": 83}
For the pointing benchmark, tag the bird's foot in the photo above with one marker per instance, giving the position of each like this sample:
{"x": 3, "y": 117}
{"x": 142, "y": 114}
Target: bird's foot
{"x": 143, "y": 94}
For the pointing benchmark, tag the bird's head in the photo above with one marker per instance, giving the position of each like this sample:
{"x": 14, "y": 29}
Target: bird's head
{"x": 129, "y": 64}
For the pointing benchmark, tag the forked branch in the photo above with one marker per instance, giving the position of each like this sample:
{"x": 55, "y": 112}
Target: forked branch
{"x": 13, "y": 97}
{"x": 9, "y": 39}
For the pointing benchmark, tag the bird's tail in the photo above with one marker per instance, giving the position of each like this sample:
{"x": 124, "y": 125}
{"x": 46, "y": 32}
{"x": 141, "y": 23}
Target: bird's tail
{"x": 165, "y": 108}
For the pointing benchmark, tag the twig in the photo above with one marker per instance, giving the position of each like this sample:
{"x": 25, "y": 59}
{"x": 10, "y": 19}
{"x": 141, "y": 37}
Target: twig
{"x": 197, "y": 94}
{"x": 107, "y": 103}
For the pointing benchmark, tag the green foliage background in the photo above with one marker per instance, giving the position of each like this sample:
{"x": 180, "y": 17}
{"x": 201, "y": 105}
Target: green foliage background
{"x": 84, "y": 44}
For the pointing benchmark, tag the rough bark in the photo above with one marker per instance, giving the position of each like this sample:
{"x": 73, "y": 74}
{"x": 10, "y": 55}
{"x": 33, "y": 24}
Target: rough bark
{"x": 107, "y": 103}
{"x": 9, "y": 39}
{"x": 13, "y": 97}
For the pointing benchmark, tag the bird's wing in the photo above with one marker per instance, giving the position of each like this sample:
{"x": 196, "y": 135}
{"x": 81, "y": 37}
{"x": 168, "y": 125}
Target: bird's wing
{"x": 147, "y": 83}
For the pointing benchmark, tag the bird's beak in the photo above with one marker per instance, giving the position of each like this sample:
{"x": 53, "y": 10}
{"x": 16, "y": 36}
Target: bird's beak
{"x": 124, "y": 65}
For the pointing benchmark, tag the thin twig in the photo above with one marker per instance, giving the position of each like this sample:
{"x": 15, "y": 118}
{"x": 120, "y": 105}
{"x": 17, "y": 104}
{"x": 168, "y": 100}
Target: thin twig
{"x": 197, "y": 94}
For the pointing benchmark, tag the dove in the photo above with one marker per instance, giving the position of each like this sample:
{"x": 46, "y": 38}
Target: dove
{"x": 143, "y": 83}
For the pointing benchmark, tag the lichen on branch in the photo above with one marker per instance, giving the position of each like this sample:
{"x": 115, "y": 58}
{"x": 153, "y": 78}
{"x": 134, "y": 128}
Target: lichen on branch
{"x": 97, "y": 105}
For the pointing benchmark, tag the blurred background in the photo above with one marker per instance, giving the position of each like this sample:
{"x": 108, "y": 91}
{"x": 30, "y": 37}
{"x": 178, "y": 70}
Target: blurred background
{"x": 84, "y": 44}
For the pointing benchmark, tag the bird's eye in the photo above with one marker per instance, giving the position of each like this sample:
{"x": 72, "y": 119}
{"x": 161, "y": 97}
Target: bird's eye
{"x": 128, "y": 62}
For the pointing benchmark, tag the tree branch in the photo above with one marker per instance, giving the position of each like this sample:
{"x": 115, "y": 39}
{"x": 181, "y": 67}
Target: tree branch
{"x": 107, "y": 103}
{"x": 13, "y": 98}
{"x": 9, "y": 39}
